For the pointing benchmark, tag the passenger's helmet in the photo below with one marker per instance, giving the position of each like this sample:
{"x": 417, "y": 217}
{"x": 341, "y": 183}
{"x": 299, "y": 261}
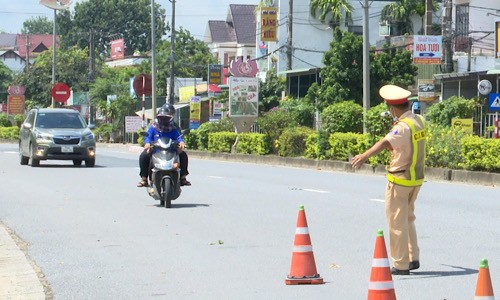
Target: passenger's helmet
{"x": 170, "y": 108}
{"x": 165, "y": 115}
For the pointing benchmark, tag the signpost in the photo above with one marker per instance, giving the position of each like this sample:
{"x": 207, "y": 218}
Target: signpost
{"x": 427, "y": 49}
{"x": 61, "y": 92}
{"x": 143, "y": 85}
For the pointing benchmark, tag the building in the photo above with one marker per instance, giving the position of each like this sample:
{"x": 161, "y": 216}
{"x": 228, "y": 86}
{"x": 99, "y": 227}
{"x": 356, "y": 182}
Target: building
{"x": 233, "y": 37}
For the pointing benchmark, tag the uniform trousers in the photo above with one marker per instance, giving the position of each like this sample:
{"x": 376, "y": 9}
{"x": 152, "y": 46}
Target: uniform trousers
{"x": 400, "y": 214}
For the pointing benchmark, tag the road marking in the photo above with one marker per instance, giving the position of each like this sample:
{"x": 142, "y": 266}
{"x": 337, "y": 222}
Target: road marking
{"x": 377, "y": 200}
{"x": 11, "y": 152}
{"x": 216, "y": 177}
{"x": 316, "y": 191}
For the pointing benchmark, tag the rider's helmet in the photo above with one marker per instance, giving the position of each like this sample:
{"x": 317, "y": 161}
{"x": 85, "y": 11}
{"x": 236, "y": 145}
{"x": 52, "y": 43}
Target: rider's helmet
{"x": 169, "y": 107}
{"x": 165, "y": 115}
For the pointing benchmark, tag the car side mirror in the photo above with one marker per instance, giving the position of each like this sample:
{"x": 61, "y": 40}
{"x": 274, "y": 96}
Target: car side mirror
{"x": 91, "y": 126}
{"x": 26, "y": 125}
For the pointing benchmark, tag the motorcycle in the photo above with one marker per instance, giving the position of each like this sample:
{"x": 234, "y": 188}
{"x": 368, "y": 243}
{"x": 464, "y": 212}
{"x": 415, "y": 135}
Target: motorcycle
{"x": 165, "y": 172}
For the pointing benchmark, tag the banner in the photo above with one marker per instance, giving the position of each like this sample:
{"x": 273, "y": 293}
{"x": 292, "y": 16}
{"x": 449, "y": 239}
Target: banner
{"x": 195, "y": 115}
{"x": 15, "y": 104}
{"x": 117, "y": 49}
{"x": 215, "y": 74}
{"x": 427, "y": 49}
{"x": 243, "y": 96}
{"x": 268, "y": 24}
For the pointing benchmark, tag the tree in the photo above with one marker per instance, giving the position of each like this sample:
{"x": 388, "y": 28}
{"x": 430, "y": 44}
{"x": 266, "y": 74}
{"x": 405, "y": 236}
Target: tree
{"x": 192, "y": 57}
{"x": 343, "y": 71}
{"x": 106, "y": 20}
{"x": 398, "y": 14}
{"x": 5, "y": 81}
{"x": 71, "y": 68}
{"x": 334, "y": 9}
{"x": 270, "y": 90}
{"x": 38, "y": 25}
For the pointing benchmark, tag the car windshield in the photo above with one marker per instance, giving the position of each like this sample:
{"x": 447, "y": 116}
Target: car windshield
{"x": 60, "y": 120}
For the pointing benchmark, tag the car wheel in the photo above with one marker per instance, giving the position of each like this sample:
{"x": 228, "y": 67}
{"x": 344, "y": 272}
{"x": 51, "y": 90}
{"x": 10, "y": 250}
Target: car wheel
{"x": 34, "y": 162}
{"x": 90, "y": 163}
{"x": 77, "y": 162}
{"x": 23, "y": 159}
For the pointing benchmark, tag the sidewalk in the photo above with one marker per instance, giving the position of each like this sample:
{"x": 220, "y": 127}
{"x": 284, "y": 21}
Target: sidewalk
{"x": 18, "y": 279}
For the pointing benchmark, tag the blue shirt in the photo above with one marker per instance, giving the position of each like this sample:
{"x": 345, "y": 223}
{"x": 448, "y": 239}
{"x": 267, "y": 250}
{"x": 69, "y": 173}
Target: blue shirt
{"x": 154, "y": 134}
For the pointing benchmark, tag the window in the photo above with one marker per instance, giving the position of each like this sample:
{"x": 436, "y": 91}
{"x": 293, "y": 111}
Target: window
{"x": 462, "y": 27}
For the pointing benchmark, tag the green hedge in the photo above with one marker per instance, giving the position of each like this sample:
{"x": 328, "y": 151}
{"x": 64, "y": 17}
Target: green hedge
{"x": 253, "y": 143}
{"x": 9, "y": 133}
{"x": 292, "y": 142}
{"x": 480, "y": 154}
{"x": 221, "y": 141}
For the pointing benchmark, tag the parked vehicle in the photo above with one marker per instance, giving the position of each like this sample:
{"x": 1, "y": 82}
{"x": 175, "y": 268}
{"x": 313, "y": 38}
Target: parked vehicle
{"x": 165, "y": 173}
{"x": 56, "y": 133}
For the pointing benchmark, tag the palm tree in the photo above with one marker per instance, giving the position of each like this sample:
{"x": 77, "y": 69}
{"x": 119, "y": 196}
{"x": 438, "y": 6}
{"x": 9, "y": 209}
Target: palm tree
{"x": 332, "y": 8}
{"x": 398, "y": 14}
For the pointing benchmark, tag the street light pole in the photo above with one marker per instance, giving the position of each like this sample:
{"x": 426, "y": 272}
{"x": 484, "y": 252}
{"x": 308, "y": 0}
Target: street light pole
{"x": 172, "y": 65}
{"x": 366, "y": 64}
{"x": 153, "y": 61}
{"x": 54, "y": 55}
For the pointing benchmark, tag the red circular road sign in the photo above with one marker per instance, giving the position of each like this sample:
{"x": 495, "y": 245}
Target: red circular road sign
{"x": 143, "y": 85}
{"x": 61, "y": 92}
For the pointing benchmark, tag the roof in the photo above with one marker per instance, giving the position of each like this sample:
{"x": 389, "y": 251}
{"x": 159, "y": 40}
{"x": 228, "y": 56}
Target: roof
{"x": 243, "y": 18}
{"x": 38, "y": 43}
{"x": 221, "y": 32}
{"x": 238, "y": 27}
{"x": 7, "y": 40}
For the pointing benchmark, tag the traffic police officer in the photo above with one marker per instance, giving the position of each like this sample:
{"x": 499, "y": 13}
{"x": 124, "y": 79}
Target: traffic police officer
{"x": 405, "y": 175}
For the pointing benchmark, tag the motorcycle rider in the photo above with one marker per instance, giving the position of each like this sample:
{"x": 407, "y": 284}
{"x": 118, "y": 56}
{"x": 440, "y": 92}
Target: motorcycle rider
{"x": 164, "y": 127}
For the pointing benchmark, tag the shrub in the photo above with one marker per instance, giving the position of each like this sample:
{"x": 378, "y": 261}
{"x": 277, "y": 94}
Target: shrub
{"x": 273, "y": 123}
{"x": 191, "y": 140}
{"x": 317, "y": 145}
{"x": 18, "y": 120}
{"x": 345, "y": 116}
{"x": 292, "y": 142}
{"x": 344, "y": 145}
{"x": 454, "y": 107}
{"x": 9, "y": 133}
{"x": 221, "y": 141}
{"x": 253, "y": 143}
{"x": 376, "y": 124}
{"x": 444, "y": 146}
{"x": 205, "y": 129}
{"x": 104, "y": 132}
{"x": 4, "y": 120}
{"x": 300, "y": 111}
{"x": 480, "y": 154}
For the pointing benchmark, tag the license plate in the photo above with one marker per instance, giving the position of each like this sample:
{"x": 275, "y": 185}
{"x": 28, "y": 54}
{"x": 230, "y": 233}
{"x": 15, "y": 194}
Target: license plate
{"x": 66, "y": 149}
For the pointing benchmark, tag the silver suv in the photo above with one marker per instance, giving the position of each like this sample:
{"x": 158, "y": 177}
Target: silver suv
{"x": 56, "y": 133}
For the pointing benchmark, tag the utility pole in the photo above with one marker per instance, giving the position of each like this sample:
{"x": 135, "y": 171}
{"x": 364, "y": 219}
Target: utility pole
{"x": 446, "y": 32}
{"x": 153, "y": 61}
{"x": 366, "y": 64}
{"x": 53, "y": 105}
{"x": 289, "y": 49}
{"x": 27, "y": 51}
{"x": 91, "y": 56}
{"x": 172, "y": 48}
{"x": 428, "y": 17}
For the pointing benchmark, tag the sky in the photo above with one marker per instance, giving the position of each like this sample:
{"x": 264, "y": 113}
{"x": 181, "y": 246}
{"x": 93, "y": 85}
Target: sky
{"x": 192, "y": 15}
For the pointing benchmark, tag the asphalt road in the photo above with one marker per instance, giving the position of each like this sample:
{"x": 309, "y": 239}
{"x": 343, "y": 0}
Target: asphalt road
{"x": 94, "y": 235}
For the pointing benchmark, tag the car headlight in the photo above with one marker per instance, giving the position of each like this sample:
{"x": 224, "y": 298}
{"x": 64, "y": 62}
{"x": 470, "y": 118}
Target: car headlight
{"x": 43, "y": 136}
{"x": 88, "y": 137}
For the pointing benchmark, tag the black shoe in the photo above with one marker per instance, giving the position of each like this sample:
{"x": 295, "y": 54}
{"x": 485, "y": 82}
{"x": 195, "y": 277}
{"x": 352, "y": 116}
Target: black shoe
{"x": 185, "y": 182}
{"x": 414, "y": 265}
{"x": 395, "y": 271}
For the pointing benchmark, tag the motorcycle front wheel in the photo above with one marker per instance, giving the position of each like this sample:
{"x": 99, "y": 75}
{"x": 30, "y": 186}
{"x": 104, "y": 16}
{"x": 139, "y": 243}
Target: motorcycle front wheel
{"x": 166, "y": 196}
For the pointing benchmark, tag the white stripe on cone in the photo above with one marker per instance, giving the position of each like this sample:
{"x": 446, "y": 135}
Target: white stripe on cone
{"x": 302, "y": 248}
{"x": 380, "y": 263}
{"x": 484, "y": 298}
{"x": 302, "y": 230}
{"x": 381, "y": 285}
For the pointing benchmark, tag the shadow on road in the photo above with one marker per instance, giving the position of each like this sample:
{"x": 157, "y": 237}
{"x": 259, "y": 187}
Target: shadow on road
{"x": 184, "y": 205}
{"x": 460, "y": 271}
{"x": 48, "y": 166}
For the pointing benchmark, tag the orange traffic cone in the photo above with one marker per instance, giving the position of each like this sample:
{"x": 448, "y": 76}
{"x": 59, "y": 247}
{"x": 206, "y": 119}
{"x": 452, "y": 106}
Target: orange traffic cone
{"x": 303, "y": 269}
{"x": 484, "y": 288}
{"x": 381, "y": 286}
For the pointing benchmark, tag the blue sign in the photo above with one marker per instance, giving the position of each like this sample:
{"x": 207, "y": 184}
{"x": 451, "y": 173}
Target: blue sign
{"x": 494, "y": 103}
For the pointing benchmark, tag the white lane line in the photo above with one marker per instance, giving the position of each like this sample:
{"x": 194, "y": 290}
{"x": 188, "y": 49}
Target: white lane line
{"x": 216, "y": 177}
{"x": 377, "y": 200}
{"x": 11, "y": 152}
{"x": 316, "y": 191}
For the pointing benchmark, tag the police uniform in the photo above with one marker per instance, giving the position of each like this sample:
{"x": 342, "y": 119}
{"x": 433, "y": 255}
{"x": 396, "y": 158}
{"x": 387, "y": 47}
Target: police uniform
{"x": 405, "y": 175}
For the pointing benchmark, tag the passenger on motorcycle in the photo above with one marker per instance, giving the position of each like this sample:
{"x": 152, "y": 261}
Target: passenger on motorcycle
{"x": 164, "y": 127}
